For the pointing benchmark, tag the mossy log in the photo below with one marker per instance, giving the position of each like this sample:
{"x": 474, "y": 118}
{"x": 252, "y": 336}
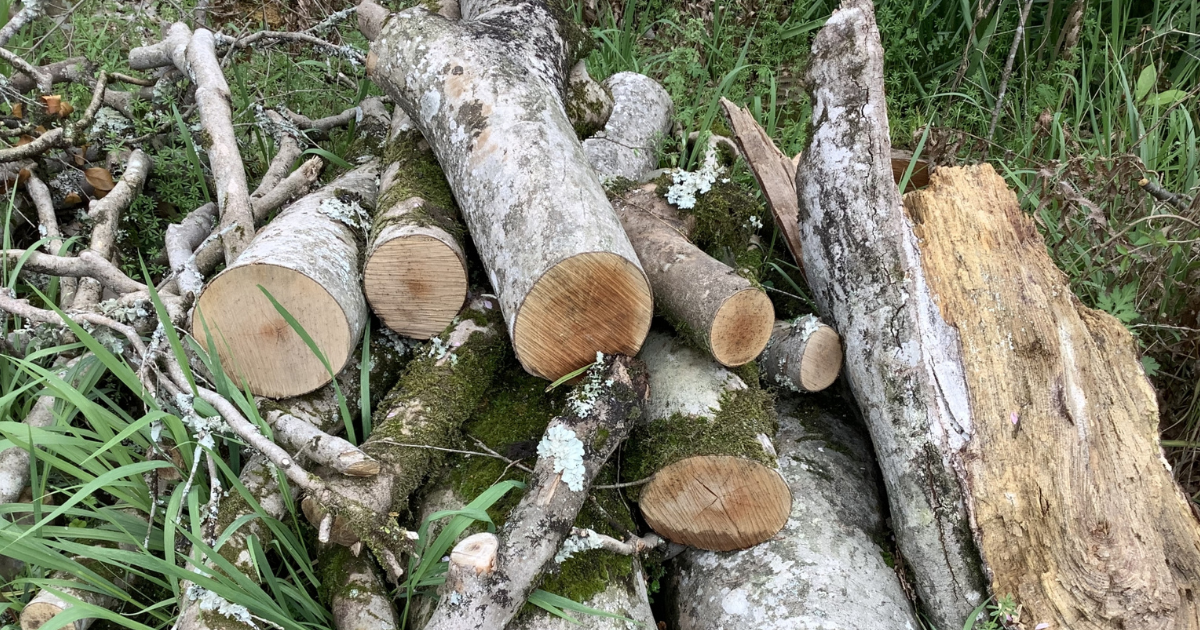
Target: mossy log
{"x": 427, "y": 407}
{"x": 641, "y": 117}
{"x": 415, "y": 276}
{"x": 1016, "y": 430}
{"x": 826, "y": 568}
{"x": 589, "y": 104}
{"x": 720, "y": 311}
{"x": 803, "y": 355}
{"x": 490, "y": 103}
{"x": 714, "y": 478}
{"x": 308, "y": 260}
{"x": 354, "y": 591}
{"x": 487, "y": 589}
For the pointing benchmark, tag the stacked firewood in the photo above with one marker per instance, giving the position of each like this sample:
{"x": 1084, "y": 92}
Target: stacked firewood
{"x": 1013, "y": 429}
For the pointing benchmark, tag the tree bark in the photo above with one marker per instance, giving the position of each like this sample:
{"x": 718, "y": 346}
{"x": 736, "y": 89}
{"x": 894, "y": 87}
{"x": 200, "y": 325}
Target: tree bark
{"x": 308, "y": 259}
{"x": 415, "y": 277}
{"x": 641, "y": 118}
{"x": 486, "y": 589}
{"x": 491, "y": 105}
{"x": 1017, "y": 433}
{"x": 716, "y": 483}
{"x": 702, "y": 297}
{"x": 825, "y": 569}
{"x": 357, "y": 596}
{"x": 803, "y": 355}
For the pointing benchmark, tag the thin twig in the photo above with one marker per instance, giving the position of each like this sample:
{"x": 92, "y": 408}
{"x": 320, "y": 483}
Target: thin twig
{"x": 1008, "y": 66}
{"x": 1180, "y": 202}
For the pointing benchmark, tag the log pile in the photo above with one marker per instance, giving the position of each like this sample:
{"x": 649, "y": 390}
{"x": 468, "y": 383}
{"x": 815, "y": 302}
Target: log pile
{"x": 1012, "y": 428}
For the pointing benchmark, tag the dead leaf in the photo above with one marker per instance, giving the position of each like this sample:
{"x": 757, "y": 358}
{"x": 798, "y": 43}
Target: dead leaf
{"x": 78, "y": 156}
{"x": 23, "y": 175}
{"x": 65, "y": 110}
{"x": 25, "y": 139}
{"x": 100, "y": 179}
{"x": 72, "y": 199}
{"x": 53, "y": 103}
{"x": 18, "y": 110}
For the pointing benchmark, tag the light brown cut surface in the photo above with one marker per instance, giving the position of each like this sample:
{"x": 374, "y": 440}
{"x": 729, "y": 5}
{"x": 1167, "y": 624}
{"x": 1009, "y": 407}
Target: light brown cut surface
{"x": 716, "y": 502}
{"x": 742, "y": 327}
{"x": 822, "y": 361}
{"x": 416, "y": 285}
{"x": 589, "y": 303}
{"x": 256, "y": 343}
{"x": 1077, "y": 514}
{"x": 36, "y": 614}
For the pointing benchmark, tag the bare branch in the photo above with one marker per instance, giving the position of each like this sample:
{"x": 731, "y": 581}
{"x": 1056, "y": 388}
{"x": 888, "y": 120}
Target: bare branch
{"x": 29, "y": 12}
{"x": 40, "y": 76}
{"x": 87, "y": 265}
{"x": 23, "y": 309}
{"x": 106, "y": 216}
{"x": 64, "y": 136}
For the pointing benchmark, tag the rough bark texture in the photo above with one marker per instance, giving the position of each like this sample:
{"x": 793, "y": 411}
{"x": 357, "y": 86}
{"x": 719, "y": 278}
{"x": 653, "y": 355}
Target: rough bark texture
{"x": 902, "y": 359}
{"x": 357, "y": 596}
{"x": 588, "y": 103}
{"x": 106, "y": 216}
{"x": 640, "y": 120}
{"x": 702, "y": 297}
{"x": 707, "y": 444}
{"x": 1074, "y": 510}
{"x": 825, "y": 569}
{"x": 415, "y": 276}
{"x": 427, "y": 407}
{"x": 308, "y": 259}
{"x": 803, "y": 355}
{"x": 487, "y": 93}
{"x": 599, "y": 414}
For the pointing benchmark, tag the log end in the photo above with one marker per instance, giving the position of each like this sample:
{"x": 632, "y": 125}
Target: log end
{"x": 589, "y": 303}
{"x": 416, "y": 285}
{"x": 36, "y": 614}
{"x": 822, "y": 360}
{"x": 742, "y": 327}
{"x": 716, "y": 502}
{"x": 256, "y": 343}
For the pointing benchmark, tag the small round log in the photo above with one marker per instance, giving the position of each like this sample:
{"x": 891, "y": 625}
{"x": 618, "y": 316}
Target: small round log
{"x": 415, "y": 277}
{"x": 803, "y": 355}
{"x": 307, "y": 259}
{"x": 714, "y": 482}
{"x": 702, "y": 297}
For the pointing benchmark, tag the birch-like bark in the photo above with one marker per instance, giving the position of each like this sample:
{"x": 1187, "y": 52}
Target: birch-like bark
{"x": 106, "y": 216}
{"x": 803, "y": 355}
{"x": 641, "y": 118}
{"x": 489, "y": 594}
{"x": 487, "y": 94}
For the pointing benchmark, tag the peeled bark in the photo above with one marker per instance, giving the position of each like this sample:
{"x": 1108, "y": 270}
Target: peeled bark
{"x": 702, "y": 297}
{"x": 825, "y": 569}
{"x": 415, "y": 276}
{"x": 716, "y": 483}
{"x": 641, "y": 118}
{"x": 487, "y": 94}
{"x": 803, "y": 355}
{"x": 1017, "y": 433}
{"x": 307, "y": 259}
{"x": 488, "y": 579}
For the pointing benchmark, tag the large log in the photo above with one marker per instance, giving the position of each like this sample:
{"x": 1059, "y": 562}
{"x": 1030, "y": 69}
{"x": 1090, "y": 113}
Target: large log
{"x": 826, "y": 568}
{"x": 1016, "y": 431}
{"x": 716, "y": 484}
{"x": 487, "y": 93}
{"x": 415, "y": 276}
{"x": 702, "y": 297}
{"x": 308, "y": 259}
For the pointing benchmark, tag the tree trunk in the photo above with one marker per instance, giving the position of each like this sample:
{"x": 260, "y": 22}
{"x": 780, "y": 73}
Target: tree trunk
{"x": 640, "y": 120}
{"x": 715, "y": 482}
{"x": 415, "y": 277}
{"x": 702, "y": 297}
{"x": 825, "y": 569}
{"x": 491, "y": 106}
{"x": 1005, "y": 413}
{"x": 307, "y": 258}
{"x": 803, "y": 355}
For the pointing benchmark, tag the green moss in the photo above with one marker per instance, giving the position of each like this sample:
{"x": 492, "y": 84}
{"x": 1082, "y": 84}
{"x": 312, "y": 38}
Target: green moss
{"x": 421, "y": 176}
{"x": 723, "y": 225}
{"x": 733, "y": 430}
{"x": 583, "y": 111}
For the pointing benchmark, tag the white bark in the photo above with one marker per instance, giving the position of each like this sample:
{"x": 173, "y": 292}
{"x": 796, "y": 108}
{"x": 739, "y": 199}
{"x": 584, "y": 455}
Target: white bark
{"x": 825, "y": 569}
{"x": 640, "y": 120}
{"x": 902, "y": 359}
{"x": 496, "y": 122}
{"x": 14, "y": 461}
{"x": 106, "y": 216}
{"x": 803, "y": 355}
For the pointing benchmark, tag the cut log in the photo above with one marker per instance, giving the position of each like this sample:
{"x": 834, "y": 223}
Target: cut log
{"x": 426, "y": 408}
{"x": 568, "y": 281}
{"x": 641, "y": 118}
{"x": 307, "y": 259}
{"x": 825, "y": 569}
{"x": 803, "y": 355}
{"x": 599, "y": 414}
{"x": 589, "y": 104}
{"x": 715, "y": 481}
{"x": 357, "y": 596}
{"x": 415, "y": 277}
{"x": 1017, "y": 433}
{"x": 702, "y": 297}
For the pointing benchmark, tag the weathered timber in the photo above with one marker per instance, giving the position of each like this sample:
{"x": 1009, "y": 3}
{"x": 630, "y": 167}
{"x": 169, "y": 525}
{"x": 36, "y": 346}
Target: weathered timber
{"x": 715, "y": 479}
{"x": 487, "y": 94}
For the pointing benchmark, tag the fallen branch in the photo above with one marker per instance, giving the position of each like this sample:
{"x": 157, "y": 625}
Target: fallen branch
{"x": 1007, "y": 73}
{"x": 1180, "y": 202}
{"x": 88, "y": 264}
{"x": 641, "y": 117}
{"x": 105, "y": 215}
{"x": 40, "y": 77}
{"x": 68, "y": 135}
{"x": 803, "y": 355}
{"x": 30, "y": 11}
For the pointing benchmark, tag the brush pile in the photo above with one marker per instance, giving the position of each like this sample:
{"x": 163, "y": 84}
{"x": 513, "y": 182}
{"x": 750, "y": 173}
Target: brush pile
{"x": 480, "y": 249}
